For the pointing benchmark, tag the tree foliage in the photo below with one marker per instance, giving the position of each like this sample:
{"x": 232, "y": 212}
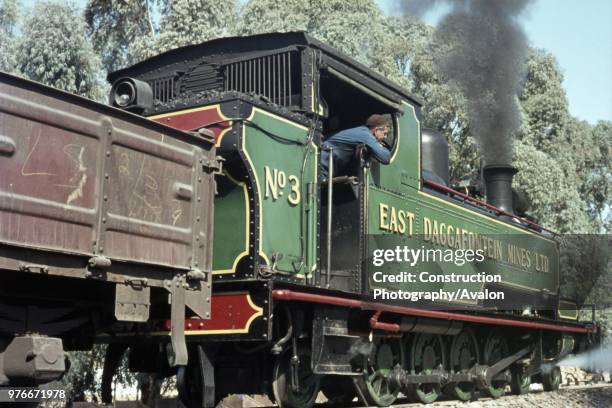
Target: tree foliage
{"x": 54, "y": 49}
{"x": 187, "y": 22}
{"x": 81, "y": 379}
{"x": 354, "y": 27}
{"x": 598, "y": 182}
{"x": 554, "y": 198}
{"x": 115, "y": 25}
{"x": 543, "y": 100}
{"x": 8, "y": 23}
{"x": 579, "y": 152}
{"x": 405, "y": 40}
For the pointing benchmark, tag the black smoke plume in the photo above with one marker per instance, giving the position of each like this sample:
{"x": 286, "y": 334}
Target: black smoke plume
{"x": 481, "y": 47}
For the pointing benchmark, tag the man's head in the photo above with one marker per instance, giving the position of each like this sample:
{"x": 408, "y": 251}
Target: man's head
{"x": 379, "y": 126}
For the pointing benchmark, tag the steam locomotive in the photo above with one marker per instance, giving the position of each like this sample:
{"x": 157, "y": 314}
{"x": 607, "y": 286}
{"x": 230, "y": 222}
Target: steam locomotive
{"x": 188, "y": 223}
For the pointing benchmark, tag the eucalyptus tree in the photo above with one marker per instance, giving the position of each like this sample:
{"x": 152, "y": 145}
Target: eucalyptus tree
{"x": 405, "y": 39}
{"x": 8, "y": 23}
{"x": 599, "y": 183}
{"x": 543, "y": 100}
{"x": 54, "y": 49}
{"x": 578, "y": 150}
{"x": 116, "y": 25}
{"x": 555, "y": 201}
{"x": 187, "y": 22}
{"x": 353, "y": 27}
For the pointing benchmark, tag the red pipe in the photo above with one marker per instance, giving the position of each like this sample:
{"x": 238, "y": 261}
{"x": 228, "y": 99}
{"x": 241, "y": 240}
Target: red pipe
{"x": 440, "y": 187}
{"x": 376, "y": 325}
{"x": 283, "y": 294}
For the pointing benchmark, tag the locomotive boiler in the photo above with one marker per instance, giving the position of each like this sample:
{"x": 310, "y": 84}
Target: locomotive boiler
{"x": 188, "y": 223}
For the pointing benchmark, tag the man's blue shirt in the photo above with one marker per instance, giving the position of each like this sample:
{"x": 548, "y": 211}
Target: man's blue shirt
{"x": 343, "y": 144}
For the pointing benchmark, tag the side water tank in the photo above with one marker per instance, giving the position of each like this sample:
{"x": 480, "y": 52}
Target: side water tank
{"x": 434, "y": 156}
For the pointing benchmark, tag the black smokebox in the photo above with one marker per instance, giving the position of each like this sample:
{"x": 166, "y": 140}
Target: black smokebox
{"x": 498, "y": 181}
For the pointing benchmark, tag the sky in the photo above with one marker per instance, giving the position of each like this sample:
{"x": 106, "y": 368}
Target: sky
{"x": 577, "y": 33}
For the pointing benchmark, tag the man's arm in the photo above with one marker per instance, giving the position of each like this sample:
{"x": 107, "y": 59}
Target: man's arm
{"x": 377, "y": 150}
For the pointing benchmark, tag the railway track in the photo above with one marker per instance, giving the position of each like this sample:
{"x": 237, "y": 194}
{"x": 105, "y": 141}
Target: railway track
{"x": 598, "y": 396}
{"x": 574, "y": 396}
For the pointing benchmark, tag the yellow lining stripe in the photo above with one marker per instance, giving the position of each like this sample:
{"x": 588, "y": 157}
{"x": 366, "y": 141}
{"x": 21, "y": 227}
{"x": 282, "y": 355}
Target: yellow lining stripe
{"x": 199, "y": 109}
{"x": 258, "y": 313}
{"x": 246, "y": 154}
{"x": 248, "y": 157}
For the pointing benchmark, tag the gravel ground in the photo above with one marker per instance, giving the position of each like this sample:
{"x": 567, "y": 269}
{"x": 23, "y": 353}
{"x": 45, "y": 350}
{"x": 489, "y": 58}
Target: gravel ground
{"x": 595, "y": 396}
{"x": 591, "y": 396}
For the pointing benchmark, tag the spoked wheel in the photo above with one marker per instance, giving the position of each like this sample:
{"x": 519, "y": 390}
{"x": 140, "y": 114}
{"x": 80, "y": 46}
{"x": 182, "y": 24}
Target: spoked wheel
{"x": 463, "y": 356}
{"x": 427, "y": 354}
{"x": 282, "y": 387}
{"x": 551, "y": 379}
{"x": 339, "y": 390}
{"x": 520, "y": 382}
{"x": 495, "y": 348}
{"x": 376, "y": 385}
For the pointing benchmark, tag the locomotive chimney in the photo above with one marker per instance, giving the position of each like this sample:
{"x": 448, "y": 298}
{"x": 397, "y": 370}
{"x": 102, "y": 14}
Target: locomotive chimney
{"x": 498, "y": 181}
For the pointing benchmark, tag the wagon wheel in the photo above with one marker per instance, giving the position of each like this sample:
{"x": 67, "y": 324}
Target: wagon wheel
{"x": 375, "y": 384}
{"x": 427, "y": 354}
{"x": 520, "y": 382}
{"x": 309, "y": 383}
{"x": 463, "y": 356}
{"x": 339, "y": 390}
{"x": 551, "y": 379}
{"x": 495, "y": 348}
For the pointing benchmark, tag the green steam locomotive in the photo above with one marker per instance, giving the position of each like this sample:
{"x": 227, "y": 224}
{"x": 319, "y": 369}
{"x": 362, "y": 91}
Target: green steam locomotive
{"x": 378, "y": 281}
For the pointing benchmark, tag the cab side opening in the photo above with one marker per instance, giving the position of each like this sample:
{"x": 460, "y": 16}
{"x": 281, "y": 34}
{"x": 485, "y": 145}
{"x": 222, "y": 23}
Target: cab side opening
{"x": 348, "y": 105}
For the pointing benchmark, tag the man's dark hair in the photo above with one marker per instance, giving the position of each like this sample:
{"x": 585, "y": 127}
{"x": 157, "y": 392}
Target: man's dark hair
{"x": 376, "y": 120}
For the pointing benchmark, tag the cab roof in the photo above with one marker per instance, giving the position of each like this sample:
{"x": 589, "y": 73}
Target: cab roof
{"x": 225, "y": 50}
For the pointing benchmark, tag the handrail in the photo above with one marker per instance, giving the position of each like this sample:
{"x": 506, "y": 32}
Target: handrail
{"x": 466, "y": 197}
{"x": 330, "y": 201}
